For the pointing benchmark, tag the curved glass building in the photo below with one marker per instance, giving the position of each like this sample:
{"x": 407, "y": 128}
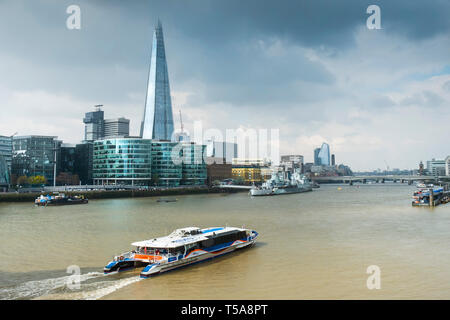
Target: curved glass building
{"x": 324, "y": 154}
{"x": 122, "y": 161}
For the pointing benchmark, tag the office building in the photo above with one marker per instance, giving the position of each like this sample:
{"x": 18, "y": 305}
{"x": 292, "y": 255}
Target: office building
{"x": 83, "y": 166}
{"x": 115, "y": 128}
{"x": 333, "y": 160}
{"x": 93, "y": 129}
{"x": 291, "y": 162}
{"x": 157, "y": 120}
{"x": 193, "y": 169}
{"x": 447, "y": 166}
{"x": 165, "y": 172}
{"x": 122, "y": 161}
{"x": 5, "y": 160}
{"x": 35, "y": 156}
{"x": 222, "y": 150}
{"x": 324, "y": 155}
{"x": 436, "y": 167}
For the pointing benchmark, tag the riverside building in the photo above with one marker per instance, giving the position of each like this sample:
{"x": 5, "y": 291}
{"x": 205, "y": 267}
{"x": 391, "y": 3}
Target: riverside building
{"x": 5, "y": 161}
{"x": 35, "y": 156}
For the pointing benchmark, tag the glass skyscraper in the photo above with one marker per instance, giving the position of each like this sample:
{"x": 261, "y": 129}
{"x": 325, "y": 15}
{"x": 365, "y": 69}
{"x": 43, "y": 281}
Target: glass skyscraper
{"x": 157, "y": 121}
{"x": 324, "y": 154}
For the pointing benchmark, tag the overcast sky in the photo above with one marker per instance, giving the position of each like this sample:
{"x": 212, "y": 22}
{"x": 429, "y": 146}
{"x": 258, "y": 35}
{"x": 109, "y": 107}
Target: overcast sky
{"x": 310, "y": 68}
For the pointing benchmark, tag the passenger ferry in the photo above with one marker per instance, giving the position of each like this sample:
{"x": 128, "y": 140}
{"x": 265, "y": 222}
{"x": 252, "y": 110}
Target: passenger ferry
{"x": 181, "y": 248}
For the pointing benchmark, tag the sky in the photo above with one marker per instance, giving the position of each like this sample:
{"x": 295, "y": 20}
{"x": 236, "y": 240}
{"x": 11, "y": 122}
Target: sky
{"x": 311, "y": 69}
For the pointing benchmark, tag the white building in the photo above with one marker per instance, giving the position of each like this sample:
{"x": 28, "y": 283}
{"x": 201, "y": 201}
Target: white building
{"x": 447, "y": 166}
{"x": 436, "y": 167}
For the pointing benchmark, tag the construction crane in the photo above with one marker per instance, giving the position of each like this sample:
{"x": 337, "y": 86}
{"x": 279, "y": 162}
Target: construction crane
{"x": 181, "y": 122}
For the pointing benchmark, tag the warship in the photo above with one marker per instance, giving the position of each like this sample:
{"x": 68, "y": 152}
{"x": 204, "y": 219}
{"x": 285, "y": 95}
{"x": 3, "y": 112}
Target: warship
{"x": 283, "y": 182}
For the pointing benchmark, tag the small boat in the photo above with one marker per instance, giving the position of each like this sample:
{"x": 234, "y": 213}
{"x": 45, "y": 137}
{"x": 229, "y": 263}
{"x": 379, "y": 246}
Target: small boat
{"x": 59, "y": 200}
{"x": 181, "y": 248}
{"x": 166, "y": 200}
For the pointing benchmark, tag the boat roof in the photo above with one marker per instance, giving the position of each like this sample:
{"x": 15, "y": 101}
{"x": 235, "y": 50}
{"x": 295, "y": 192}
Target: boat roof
{"x": 181, "y": 237}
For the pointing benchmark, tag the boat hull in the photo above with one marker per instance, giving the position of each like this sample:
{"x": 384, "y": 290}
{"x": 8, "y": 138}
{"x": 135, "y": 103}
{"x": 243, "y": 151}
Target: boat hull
{"x": 194, "y": 257}
{"x": 274, "y": 192}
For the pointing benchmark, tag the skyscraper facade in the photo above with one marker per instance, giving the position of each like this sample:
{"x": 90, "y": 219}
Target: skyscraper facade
{"x": 114, "y": 128}
{"x": 93, "y": 129}
{"x": 324, "y": 154}
{"x": 316, "y": 157}
{"x": 157, "y": 121}
{"x": 5, "y": 159}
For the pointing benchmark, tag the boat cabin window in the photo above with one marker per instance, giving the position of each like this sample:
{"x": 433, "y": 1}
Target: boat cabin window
{"x": 224, "y": 238}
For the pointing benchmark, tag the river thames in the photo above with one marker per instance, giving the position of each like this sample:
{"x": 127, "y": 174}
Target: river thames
{"x": 315, "y": 245}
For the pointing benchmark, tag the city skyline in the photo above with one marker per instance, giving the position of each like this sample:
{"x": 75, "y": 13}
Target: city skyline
{"x": 325, "y": 81}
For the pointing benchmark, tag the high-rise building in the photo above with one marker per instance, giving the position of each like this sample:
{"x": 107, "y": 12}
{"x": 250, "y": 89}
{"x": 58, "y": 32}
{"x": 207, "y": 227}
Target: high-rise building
{"x": 94, "y": 129}
{"x": 333, "y": 160}
{"x": 291, "y": 162}
{"x": 316, "y": 157}
{"x": 157, "y": 121}
{"x": 5, "y": 160}
{"x": 447, "y": 166}
{"x": 221, "y": 149}
{"x": 35, "y": 156}
{"x": 436, "y": 167}
{"x": 83, "y": 166}
{"x": 119, "y": 127}
{"x": 324, "y": 154}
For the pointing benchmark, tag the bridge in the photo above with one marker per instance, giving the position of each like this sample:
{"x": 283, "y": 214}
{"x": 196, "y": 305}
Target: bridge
{"x": 381, "y": 179}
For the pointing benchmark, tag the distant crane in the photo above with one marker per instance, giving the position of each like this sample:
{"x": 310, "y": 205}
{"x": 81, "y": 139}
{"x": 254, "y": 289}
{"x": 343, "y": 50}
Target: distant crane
{"x": 387, "y": 166}
{"x": 181, "y": 122}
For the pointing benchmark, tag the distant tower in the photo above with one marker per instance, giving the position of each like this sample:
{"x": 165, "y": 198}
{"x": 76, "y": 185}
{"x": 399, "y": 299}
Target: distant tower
{"x": 157, "y": 122}
{"x": 421, "y": 168}
{"x": 333, "y": 160}
{"x": 324, "y": 154}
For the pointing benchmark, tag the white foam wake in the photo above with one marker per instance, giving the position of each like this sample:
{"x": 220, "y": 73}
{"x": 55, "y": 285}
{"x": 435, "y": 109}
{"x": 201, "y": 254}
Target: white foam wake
{"x": 38, "y": 288}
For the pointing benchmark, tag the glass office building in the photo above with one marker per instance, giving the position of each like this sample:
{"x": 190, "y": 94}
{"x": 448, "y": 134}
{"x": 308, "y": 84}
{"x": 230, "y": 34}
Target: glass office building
{"x": 122, "y": 161}
{"x": 166, "y": 171}
{"x": 194, "y": 170}
{"x": 5, "y": 160}
{"x": 35, "y": 156}
{"x": 157, "y": 122}
{"x": 324, "y": 155}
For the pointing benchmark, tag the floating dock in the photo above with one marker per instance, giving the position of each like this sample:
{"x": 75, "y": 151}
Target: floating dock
{"x": 430, "y": 197}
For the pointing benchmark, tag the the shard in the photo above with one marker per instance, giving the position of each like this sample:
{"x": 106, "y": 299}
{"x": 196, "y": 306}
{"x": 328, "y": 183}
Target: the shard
{"x": 157, "y": 122}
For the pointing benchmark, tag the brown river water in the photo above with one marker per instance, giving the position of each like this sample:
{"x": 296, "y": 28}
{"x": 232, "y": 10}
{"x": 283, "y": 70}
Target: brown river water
{"x": 315, "y": 245}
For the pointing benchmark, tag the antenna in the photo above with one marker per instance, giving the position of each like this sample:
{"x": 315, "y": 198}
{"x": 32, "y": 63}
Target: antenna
{"x": 98, "y": 106}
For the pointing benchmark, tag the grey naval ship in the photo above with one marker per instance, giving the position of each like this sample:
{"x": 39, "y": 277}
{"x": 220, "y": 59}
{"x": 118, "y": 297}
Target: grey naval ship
{"x": 283, "y": 182}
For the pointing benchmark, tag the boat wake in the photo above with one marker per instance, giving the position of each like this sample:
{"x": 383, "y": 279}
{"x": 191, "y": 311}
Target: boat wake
{"x": 93, "y": 285}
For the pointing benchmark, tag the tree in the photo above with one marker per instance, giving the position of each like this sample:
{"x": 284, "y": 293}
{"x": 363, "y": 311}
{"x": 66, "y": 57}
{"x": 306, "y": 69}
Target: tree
{"x": 22, "y": 180}
{"x": 37, "y": 180}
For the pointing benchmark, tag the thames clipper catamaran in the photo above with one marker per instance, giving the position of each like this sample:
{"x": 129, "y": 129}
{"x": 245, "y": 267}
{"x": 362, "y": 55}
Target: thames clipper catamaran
{"x": 181, "y": 248}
